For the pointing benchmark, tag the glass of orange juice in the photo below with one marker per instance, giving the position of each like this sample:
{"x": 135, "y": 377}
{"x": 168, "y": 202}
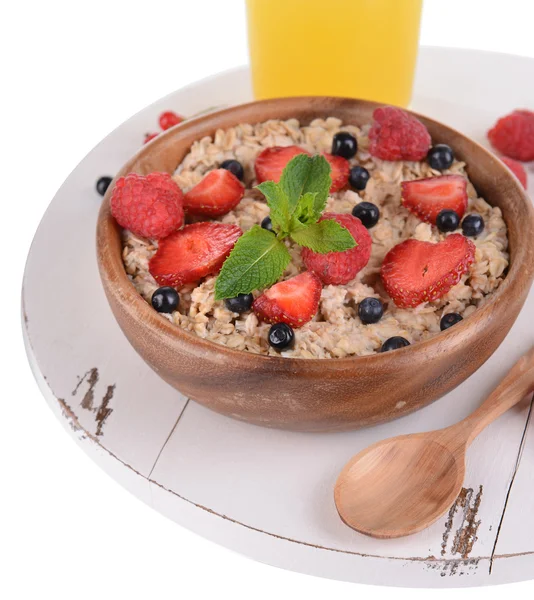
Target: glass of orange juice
{"x": 352, "y": 48}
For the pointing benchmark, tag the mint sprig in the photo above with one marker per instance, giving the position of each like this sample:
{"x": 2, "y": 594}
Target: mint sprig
{"x": 296, "y": 203}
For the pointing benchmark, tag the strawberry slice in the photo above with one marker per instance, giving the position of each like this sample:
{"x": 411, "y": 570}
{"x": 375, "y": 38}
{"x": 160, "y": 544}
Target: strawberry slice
{"x": 192, "y": 253}
{"x": 428, "y": 197}
{"x": 217, "y": 194}
{"x": 414, "y": 272}
{"x": 294, "y": 301}
{"x": 272, "y": 161}
{"x": 340, "y": 171}
{"x": 338, "y": 268}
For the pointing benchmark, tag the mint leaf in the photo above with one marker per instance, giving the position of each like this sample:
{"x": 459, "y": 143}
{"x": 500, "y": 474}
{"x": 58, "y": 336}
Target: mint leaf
{"x": 319, "y": 182}
{"x": 305, "y": 211}
{"x": 304, "y": 214}
{"x": 256, "y": 261}
{"x": 294, "y": 178}
{"x": 303, "y": 175}
{"x": 325, "y": 236}
{"x": 277, "y": 203}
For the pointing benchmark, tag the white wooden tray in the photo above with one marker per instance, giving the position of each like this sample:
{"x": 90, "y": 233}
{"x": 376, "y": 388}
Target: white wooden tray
{"x": 265, "y": 493}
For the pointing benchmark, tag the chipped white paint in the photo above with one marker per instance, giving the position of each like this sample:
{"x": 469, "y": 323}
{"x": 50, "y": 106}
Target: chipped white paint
{"x": 267, "y": 493}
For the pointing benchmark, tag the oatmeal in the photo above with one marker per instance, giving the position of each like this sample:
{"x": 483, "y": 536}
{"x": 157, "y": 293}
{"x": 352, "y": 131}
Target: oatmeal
{"x": 336, "y": 330}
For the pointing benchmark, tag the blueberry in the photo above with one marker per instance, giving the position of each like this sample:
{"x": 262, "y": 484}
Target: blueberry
{"x": 165, "y": 299}
{"x": 449, "y": 320}
{"x": 473, "y": 225}
{"x": 267, "y": 224}
{"x": 358, "y": 177}
{"x": 235, "y": 167}
{"x": 447, "y": 220}
{"x": 240, "y": 304}
{"x": 281, "y": 336}
{"x": 102, "y": 184}
{"x": 440, "y": 157}
{"x": 367, "y": 212}
{"x": 370, "y": 310}
{"x": 394, "y": 343}
{"x": 344, "y": 144}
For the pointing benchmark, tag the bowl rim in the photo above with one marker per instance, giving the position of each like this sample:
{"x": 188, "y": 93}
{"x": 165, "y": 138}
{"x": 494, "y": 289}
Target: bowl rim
{"x": 518, "y": 272}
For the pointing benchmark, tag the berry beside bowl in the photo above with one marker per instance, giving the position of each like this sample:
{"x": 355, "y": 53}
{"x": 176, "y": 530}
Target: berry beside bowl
{"x": 274, "y": 389}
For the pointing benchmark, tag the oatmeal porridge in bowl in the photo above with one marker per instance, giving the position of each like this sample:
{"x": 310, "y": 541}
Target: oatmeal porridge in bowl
{"x": 315, "y": 263}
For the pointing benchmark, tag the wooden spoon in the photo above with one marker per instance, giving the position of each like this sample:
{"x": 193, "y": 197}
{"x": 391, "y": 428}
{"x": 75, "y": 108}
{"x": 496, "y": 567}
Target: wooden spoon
{"x": 404, "y": 484}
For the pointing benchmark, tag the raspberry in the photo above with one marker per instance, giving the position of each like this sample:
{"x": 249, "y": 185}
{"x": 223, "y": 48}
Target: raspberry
{"x": 396, "y": 135}
{"x": 148, "y": 205}
{"x": 517, "y": 169}
{"x": 513, "y": 135}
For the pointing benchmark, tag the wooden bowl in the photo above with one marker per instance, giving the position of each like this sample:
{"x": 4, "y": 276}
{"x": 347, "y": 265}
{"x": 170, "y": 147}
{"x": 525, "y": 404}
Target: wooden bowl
{"x": 314, "y": 394}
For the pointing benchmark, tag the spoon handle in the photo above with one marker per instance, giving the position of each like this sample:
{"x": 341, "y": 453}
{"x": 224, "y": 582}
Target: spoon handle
{"x": 515, "y": 386}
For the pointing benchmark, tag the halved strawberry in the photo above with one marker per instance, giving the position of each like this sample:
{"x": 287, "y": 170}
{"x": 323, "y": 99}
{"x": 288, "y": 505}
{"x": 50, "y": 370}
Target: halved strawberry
{"x": 217, "y": 194}
{"x": 272, "y": 161}
{"x": 294, "y": 301}
{"x": 428, "y": 197}
{"x": 340, "y": 171}
{"x": 193, "y": 252}
{"x": 338, "y": 268}
{"x": 414, "y": 272}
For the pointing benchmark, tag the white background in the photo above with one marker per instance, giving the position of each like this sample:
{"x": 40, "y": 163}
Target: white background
{"x": 71, "y": 73}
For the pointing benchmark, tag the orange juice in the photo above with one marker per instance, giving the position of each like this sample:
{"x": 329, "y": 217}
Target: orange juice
{"x": 353, "y": 48}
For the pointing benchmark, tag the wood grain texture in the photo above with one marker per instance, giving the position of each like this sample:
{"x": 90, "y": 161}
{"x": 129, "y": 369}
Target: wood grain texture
{"x": 319, "y": 395}
{"x": 402, "y": 485}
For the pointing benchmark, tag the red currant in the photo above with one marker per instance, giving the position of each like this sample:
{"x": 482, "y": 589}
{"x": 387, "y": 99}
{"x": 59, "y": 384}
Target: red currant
{"x": 149, "y": 137}
{"x": 169, "y": 119}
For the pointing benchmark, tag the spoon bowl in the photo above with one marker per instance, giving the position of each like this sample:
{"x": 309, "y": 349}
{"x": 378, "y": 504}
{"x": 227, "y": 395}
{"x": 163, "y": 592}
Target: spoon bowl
{"x": 403, "y": 485}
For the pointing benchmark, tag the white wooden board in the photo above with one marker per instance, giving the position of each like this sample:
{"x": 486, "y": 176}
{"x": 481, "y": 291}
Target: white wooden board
{"x": 266, "y": 493}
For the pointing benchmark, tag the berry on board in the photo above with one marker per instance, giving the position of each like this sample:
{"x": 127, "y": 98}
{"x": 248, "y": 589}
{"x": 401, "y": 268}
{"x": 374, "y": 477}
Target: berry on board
{"x": 513, "y": 135}
{"x": 169, "y": 119}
